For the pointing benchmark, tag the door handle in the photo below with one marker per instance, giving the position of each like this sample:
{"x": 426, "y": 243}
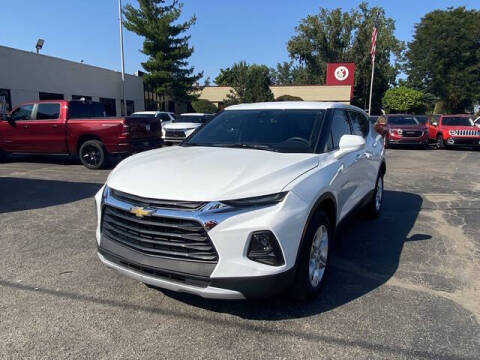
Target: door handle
{"x": 54, "y": 126}
{"x": 25, "y": 126}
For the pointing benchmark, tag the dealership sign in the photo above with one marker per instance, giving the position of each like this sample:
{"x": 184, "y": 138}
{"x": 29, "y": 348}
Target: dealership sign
{"x": 341, "y": 74}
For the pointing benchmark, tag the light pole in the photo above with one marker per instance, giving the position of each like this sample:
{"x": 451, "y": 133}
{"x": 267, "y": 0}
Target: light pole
{"x": 122, "y": 57}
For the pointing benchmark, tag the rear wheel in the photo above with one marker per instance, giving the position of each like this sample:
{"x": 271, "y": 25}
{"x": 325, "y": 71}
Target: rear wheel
{"x": 313, "y": 262}
{"x": 92, "y": 154}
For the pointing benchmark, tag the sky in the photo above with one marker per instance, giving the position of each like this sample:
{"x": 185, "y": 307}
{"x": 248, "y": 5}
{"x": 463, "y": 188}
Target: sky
{"x": 226, "y": 31}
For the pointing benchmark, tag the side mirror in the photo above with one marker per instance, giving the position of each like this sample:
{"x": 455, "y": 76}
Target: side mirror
{"x": 435, "y": 123}
{"x": 348, "y": 144}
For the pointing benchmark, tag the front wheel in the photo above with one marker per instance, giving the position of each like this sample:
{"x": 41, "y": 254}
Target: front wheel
{"x": 92, "y": 154}
{"x": 440, "y": 142}
{"x": 3, "y": 156}
{"x": 314, "y": 256}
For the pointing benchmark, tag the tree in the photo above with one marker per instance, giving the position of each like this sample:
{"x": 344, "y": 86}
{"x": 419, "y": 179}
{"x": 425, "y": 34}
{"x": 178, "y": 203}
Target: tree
{"x": 288, "y": 98}
{"x": 165, "y": 45}
{"x": 250, "y": 83}
{"x": 337, "y": 36}
{"x": 404, "y": 100}
{"x": 444, "y": 57}
{"x": 204, "y": 106}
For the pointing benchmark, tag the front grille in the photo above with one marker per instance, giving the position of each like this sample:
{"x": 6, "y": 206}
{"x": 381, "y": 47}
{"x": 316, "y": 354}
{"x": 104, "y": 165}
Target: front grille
{"x": 159, "y": 236}
{"x": 412, "y": 133}
{"x": 467, "y": 133}
{"x": 175, "y": 134}
{"x": 155, "y": 203}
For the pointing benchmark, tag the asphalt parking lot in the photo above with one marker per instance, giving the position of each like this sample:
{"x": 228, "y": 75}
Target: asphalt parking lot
{"x": 404, "y": 286}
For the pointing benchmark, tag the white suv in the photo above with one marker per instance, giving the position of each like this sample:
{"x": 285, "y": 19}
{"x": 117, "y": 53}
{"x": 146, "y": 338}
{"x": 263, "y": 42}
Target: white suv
{"x": 183, "y": 126}
{"x": 245, "y": 207}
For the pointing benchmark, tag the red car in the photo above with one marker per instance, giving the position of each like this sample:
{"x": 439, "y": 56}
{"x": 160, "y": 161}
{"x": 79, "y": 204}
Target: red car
{"x": 455, "y": 130}
{"x": 403, "y": 129}
{"x": 76, "y": 128}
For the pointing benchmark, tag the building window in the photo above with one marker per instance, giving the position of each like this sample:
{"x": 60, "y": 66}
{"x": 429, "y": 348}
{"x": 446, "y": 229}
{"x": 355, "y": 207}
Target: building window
{"x": 50, "y": 96}
{"x": 79, "y": 97}
{"x": 5, "y": 101}
{"x": 130, "y": 107}
{"x": 110, "y": 106}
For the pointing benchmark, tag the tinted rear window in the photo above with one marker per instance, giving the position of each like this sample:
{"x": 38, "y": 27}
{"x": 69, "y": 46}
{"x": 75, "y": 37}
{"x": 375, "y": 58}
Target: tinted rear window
{"x": 48, "y": 111}
{"x": 82, "y": 110}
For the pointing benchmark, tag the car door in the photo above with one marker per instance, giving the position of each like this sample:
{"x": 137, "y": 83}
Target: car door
{"x": 13, "y": 132}
{"x": 46, "y": 130}
{"x": 345, "y": 181}
{"x": 366, "y": 160}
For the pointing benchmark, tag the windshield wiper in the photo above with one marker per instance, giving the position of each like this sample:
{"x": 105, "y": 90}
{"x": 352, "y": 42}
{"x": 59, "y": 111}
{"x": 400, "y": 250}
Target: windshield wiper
{"x": 248, "y": 146}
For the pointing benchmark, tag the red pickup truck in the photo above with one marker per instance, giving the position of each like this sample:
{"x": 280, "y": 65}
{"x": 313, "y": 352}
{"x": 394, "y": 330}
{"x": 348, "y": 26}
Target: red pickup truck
{"x": 75, "y": 128}
{"x": 454, "y": 130}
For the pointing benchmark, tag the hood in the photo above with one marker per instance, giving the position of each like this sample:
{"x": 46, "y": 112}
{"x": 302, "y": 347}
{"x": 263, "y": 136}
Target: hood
{"x": 208, "y": 173}
{"x": 181, "y": 125}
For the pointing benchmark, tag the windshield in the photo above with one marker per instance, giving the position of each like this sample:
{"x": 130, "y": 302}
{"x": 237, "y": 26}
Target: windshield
{"x": 190, "y": 118}
{"x": 457, "y": 121}
{"x": 403, "y": 120}
{"x": 274, "y": 130}
{"x": 136, "y": 115}
{"x": 422, "y": 119}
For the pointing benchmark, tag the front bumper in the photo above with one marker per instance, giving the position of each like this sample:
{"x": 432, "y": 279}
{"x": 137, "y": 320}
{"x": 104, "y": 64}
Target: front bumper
{"x": 234, "y": 275}
{"x": 405, "y": 140}
{"x": 463, "y": 141}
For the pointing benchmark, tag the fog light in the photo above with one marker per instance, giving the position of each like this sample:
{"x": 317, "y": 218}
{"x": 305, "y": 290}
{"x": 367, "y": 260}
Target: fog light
{"x": 264, "y": 249}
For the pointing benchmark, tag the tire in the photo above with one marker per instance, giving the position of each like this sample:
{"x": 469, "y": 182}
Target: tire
{"x": 312, "y": 266}
{"x": 3, "y": 156}
{"x": 92, "y": 154}
{"x": 374, "y": 206}
{"x": 440, "y": 143}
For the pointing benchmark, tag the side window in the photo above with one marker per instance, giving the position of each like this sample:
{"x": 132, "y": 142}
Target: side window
{"x": 164, "y": 117}
{"x": 24, "y": 112}
{"x": 340, "y": 127}
{"x": 360, "y": 123}
{"x": 48, "y": 111}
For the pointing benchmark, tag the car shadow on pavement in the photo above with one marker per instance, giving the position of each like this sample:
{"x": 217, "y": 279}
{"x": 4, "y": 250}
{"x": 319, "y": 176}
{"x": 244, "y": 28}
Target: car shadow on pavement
{"x": 17, "y": 194}
{"x": 58, "y": 160}
{"x": 366, "y": 256}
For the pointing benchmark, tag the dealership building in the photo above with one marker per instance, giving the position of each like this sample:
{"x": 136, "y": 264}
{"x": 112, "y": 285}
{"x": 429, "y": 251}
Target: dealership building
{"x": 336, "y": 93}
{"x": 28, "y": 76}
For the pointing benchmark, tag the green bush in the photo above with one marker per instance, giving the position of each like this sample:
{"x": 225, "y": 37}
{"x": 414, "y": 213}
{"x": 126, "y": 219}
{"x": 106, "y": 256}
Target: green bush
{"x": 404, "y": 100}
{"x": 288, "y": 98}
{"x": 204, "y": 106}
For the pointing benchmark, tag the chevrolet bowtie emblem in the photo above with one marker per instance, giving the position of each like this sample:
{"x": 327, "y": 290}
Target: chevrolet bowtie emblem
{"x": 140, "y": 212}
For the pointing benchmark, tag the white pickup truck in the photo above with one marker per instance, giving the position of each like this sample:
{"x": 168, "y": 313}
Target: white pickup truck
{"x": 245, "y": 207}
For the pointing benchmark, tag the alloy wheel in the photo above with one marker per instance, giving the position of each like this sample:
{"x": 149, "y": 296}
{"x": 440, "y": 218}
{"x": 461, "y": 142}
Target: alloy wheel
{"x": 318, "y": 256}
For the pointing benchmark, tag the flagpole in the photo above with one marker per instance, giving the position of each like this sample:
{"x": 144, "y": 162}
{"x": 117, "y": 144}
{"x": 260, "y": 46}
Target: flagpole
{"x": 371, "y": 87}
{"x": 122, "y": 57}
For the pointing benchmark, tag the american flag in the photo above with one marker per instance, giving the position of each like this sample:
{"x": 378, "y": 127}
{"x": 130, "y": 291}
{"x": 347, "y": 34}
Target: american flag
{"x": 373, "y": 45}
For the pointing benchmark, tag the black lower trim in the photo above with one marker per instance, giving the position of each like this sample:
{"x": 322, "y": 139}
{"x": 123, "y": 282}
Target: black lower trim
{"x": 178, "y": 277}
{"x": 257, "y": 286}
{"x": 161, "y": 263}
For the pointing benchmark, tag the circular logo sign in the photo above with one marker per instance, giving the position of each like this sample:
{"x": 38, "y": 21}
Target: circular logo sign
{"x": 341, "y": 73}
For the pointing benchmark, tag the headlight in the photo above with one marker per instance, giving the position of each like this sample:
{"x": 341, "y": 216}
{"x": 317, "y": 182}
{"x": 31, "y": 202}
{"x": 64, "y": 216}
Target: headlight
{"x": 452, "y": 132}
{"x": 257, "y": 200}
{"x": 106, "y": 192}
{"x": 400, "y": 131}
{"x": 163, "y": 132}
